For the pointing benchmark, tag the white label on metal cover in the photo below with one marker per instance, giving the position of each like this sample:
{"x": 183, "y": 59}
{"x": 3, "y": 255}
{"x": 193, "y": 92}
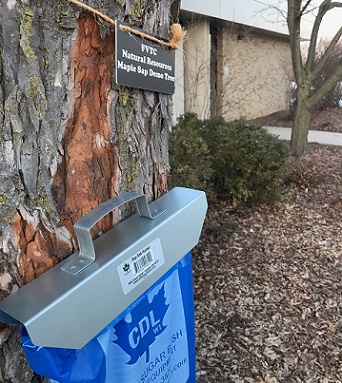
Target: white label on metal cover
{"x": 139, "y": 266}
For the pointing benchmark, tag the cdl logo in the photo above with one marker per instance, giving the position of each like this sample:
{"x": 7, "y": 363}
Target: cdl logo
{"x": 144, "y": 326}
{"x": 135, "y": 336}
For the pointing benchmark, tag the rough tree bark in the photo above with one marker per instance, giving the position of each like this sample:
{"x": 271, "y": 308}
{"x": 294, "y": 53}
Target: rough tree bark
{"x": 70, "y": 137}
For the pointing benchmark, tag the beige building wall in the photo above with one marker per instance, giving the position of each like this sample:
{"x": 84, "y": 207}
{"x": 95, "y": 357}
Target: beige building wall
{"x": 197, "y": 49}
{"x": 255, "y": 74}
{"x": 178, "y": 97}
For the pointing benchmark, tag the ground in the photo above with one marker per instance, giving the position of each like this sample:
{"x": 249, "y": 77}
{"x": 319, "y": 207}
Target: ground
{"x": 268, "y": 283}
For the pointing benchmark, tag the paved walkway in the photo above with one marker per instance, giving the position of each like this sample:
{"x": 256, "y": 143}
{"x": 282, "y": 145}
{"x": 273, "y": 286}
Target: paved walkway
{"x": 321, "y": 137}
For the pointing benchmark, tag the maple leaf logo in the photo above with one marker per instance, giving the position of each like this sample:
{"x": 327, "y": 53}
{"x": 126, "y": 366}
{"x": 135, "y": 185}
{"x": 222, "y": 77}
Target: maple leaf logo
{"x": 135, "y": 337}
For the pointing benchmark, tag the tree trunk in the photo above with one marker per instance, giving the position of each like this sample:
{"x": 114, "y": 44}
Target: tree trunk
{"x": 300, "y": 127}
{"x": 70, "y": 137}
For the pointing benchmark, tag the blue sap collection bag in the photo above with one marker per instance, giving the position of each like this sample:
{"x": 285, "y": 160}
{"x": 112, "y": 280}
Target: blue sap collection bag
{"x": 152, "y": 341}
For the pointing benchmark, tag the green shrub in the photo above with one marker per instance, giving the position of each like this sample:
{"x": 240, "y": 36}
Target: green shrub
{"x": 213, "y": 131}
{"x": 189, "y": 155}
{"x": 238, "y": 161}
{"x": 251, "y": 165}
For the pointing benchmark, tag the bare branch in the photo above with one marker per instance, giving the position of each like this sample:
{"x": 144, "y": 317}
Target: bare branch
{"x": 267, "y": 7}
{"x": 322, "y": 10}
{"x": 329, "y": 83}
{"x": 326, "y": 6}
{"x": 325, "y": 57}
{"x": 303, "y": 11}
{"x": 293, "y": 22}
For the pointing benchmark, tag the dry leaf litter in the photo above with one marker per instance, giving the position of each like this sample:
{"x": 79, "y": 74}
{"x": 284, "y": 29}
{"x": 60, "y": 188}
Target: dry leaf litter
{"x": 268, "y": 283}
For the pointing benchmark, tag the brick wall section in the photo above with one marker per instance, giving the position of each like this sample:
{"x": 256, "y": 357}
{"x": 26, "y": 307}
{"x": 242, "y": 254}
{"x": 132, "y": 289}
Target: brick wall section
{"x": 255, "y": 74}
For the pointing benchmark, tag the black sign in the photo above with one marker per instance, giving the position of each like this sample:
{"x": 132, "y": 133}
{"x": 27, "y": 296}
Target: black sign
{"x": 141, "y": 63}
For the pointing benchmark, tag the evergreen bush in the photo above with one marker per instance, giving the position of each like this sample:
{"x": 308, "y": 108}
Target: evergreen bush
{"x": 238, "y": 161}
{"x": 251, "y": 168}
{"x": 189, "y": 155}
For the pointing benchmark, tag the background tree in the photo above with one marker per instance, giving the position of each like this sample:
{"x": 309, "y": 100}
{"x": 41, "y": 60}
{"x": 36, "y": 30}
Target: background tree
{"x": 332, "y": 99}
{"x": 305, "y": 72}
{"x": 70, "y": 137}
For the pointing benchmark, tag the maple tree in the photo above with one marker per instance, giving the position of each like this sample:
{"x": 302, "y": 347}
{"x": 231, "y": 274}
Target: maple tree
{"x": 71, "y": 137}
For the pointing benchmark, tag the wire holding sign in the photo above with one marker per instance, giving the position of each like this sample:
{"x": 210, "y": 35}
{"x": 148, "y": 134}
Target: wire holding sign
{"x": 178, "y": 33}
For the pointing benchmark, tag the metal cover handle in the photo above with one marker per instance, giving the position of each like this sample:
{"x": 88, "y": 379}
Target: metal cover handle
{"x": 82, "y": 227}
